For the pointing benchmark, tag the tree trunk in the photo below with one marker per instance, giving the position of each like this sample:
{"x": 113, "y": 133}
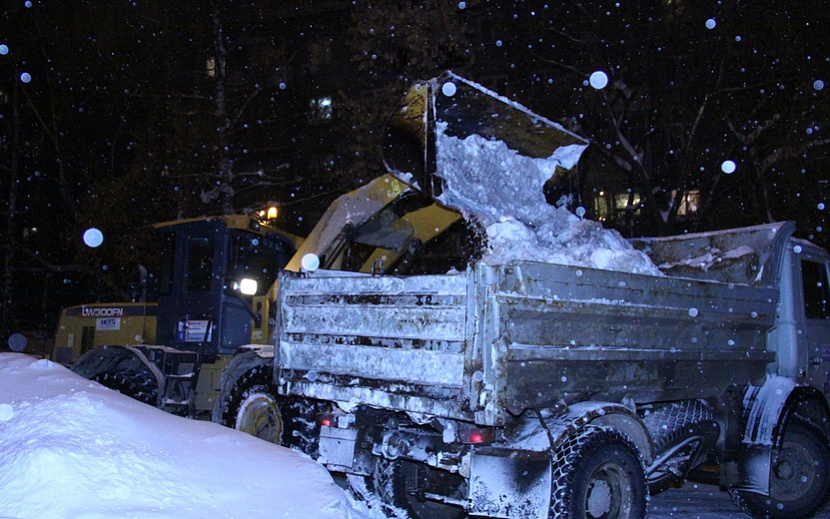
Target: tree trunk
{"x": 9, "y": 245}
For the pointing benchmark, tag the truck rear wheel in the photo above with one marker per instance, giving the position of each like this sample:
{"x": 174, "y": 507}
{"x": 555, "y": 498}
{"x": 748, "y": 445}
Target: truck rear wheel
{"x": 404, "y": 485}
{"x": 597, "y": 474}
{"x": 252, "y": 408}
{"x": 799, "y": 477}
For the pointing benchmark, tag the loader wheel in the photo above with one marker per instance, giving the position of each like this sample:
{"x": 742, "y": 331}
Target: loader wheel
{"x": 139, "y": 385}
{"x": 799, "y": 477}
{"x": 598, "y": 474}
{"x": 253, "y": 409}
{"x": 404, "y": 485}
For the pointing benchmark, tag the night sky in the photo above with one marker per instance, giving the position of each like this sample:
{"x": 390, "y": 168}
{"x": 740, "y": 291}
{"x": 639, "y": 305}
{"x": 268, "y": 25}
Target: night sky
{"x": 119, "y": 114}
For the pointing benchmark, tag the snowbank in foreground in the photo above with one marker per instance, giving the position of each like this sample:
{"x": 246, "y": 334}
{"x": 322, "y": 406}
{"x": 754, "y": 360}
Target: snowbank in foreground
{"x": 504, "y": 190}
{"x": 70, "y": 448}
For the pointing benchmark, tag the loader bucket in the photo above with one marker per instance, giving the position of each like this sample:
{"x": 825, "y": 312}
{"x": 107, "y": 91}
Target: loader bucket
{"x": 460, "y": 108}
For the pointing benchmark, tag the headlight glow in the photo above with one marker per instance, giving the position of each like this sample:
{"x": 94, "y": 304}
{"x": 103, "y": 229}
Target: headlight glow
{"x": 248, "y": 286}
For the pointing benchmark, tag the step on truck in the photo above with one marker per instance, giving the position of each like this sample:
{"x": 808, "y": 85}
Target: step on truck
{"x": 531, "y": 389}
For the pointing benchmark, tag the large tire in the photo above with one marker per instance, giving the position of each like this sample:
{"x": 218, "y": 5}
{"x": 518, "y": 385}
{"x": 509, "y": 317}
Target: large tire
{"x": 139, "y": 385}
{"x": 402, "y": 484}
{"x": 664, "y": 421}
{"x": 598, "y": 473}
{"x": 687, "y": 428}
{"x": 252, "y": 408}
{"x": 302, "y": 432}
{"x": 799, "y": 477}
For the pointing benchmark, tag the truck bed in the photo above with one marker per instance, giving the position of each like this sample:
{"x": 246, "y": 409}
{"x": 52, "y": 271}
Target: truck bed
{"x": 492, "y": 341}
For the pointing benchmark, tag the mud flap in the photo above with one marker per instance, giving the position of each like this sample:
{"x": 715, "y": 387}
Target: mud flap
{"x": 337, "y": 448}
{"x": 763, "y": 408}
{"x": 755, "y": 463}
{"x": 510, "y": 483}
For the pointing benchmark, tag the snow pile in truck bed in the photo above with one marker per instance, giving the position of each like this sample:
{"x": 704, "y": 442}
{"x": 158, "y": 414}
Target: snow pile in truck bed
{"x": 504, "y": 190}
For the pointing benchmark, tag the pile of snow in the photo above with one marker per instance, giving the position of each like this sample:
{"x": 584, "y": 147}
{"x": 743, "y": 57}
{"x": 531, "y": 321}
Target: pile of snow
{"x": 504, "y": 190}
{"x": 71, "y": 448}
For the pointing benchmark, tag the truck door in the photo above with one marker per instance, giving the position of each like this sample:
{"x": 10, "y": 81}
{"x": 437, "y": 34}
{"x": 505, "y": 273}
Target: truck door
{"x": 816, "y": 292}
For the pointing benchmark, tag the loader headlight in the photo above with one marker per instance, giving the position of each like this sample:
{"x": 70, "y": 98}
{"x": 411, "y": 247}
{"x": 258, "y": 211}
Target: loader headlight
{"x": 247, "y": 286}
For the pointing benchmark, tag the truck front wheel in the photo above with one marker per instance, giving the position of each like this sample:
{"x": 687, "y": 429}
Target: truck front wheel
{"x": 597, "y": 474}
{"x": 799, "y": 479}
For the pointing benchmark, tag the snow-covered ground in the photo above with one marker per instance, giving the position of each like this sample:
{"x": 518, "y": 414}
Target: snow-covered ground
{"x": 70, "y": 448}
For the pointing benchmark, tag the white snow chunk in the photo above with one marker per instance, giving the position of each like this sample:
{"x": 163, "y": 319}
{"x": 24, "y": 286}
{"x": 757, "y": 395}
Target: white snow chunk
{"x": 504, "y": 190}
{"x": 6, "y": 412}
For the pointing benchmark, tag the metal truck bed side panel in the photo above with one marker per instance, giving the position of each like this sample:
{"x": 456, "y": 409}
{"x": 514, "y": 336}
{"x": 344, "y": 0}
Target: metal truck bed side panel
{"x": 501, "y": 339}
{"x": 581, "y": 334}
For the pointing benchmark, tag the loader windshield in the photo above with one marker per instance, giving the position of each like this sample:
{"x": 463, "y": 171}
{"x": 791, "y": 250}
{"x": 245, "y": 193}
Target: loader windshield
{"x": 257, "y": 257}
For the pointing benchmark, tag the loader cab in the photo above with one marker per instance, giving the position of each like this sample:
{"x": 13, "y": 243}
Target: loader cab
{"x": 215, "y": 280}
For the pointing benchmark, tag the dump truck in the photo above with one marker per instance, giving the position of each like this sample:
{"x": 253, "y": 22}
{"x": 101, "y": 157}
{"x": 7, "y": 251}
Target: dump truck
{"x": 519, "y": 388}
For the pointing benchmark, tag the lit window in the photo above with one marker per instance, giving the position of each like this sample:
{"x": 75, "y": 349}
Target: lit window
{"x": 626, "y": 201}
{"x": 320, "y": 109}
{"x": 690, "y": 203}
{"x": 601, "y": 206}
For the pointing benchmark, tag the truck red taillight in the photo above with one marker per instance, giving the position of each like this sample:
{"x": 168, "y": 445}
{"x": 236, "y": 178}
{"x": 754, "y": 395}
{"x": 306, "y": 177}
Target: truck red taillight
{"x": 339, "y": 420}
{"x": 477, "y": 435}
{"x": 326, "y": 420}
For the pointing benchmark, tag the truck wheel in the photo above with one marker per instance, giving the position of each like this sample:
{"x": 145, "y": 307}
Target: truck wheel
{"x": 301, "y": 430}
{"x": 598, "y": 473}
{"x": 799, "y": 478}
{"x": 139, "y": 385}
{"x": 403, "y": 485}
{"x": 253, "y": 409}
{"x": 686, "y": 428}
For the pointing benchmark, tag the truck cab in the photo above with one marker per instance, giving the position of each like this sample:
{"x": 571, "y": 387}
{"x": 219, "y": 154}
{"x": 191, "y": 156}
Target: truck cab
{"x": 806, "y": 322}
